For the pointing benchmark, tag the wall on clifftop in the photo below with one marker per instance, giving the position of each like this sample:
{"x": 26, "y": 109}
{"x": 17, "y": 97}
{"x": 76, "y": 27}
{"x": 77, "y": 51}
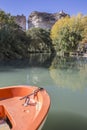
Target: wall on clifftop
{"x": 43, "y": 19}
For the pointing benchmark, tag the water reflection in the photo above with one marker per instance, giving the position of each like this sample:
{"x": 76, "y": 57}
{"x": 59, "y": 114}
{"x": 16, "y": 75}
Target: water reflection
{"x": 59, "y": 76}
{"x": 62, "y": 71}
{"x": 69, "y": 72}
{"x": 36, "y": 60}
{"x": 26, "y": 71}
{"x": 65, "y": 121}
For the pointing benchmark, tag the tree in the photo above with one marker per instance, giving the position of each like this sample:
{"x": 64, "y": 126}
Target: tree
{"x": 13, "y": 41}
{"x": 7, "y": 21}
{"x": 68, "y": 40}
{"x": 67, "y": 33}
{"x": 84, "y": 22}
{"x": 40, "y": 40}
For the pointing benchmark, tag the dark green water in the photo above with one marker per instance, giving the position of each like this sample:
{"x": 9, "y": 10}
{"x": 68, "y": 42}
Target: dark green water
{"x": 65, "y": 79}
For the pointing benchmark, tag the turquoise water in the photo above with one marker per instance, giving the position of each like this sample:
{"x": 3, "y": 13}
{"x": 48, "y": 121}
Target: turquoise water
{"x": 65, "y": 79}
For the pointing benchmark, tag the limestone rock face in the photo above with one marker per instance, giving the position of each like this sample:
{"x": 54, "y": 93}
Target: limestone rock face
{"x": 21, "y": 21}
{"x": 43, "y": 19}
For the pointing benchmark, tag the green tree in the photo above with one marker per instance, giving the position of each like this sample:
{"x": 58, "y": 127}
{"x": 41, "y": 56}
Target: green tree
{"x": 40, "y": 40}
{"x": 13, "y": 41}
{"x": 7, "y": 21}
{"x": 84, "y": 22}
{"x": 68, "y": 40}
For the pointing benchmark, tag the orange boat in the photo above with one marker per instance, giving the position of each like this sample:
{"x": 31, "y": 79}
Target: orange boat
{"x": 23, "y": 107}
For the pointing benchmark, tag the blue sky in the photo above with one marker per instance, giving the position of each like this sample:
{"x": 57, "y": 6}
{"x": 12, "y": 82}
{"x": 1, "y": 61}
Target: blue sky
{"x": 72, "y": 7}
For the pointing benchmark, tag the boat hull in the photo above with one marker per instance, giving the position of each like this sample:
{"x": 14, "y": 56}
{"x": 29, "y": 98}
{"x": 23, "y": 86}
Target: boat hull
{"x": 25, "y": 105}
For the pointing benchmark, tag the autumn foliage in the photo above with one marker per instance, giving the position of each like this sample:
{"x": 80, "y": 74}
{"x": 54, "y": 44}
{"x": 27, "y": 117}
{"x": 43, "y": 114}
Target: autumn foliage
{"x": 68, "y": 32}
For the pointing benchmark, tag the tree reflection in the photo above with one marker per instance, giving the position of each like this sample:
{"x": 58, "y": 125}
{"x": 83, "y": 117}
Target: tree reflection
{"x": 35, "y": 60}
{"x": 69, "y": 72}
{"x": 41, "y": 59}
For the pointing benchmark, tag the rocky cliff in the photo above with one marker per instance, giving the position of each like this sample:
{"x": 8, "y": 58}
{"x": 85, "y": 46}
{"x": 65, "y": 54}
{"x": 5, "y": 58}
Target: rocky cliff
{"x": 39, "y": 19}
{"x": 43, "y": 19}
{"x": 21, "y": 21}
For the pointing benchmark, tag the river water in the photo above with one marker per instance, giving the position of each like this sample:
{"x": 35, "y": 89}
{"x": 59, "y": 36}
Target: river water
{"x": 65, "y": 79}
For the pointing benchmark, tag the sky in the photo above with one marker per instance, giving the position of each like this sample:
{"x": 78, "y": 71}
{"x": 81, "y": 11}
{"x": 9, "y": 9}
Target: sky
{"x": 19, "y": 7}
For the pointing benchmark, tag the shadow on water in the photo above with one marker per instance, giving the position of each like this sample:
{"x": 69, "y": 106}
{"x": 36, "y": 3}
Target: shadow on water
{"x": 47, "y": 60}
{"x": 65, "y": 121}
{"x": 35, "y": 60}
